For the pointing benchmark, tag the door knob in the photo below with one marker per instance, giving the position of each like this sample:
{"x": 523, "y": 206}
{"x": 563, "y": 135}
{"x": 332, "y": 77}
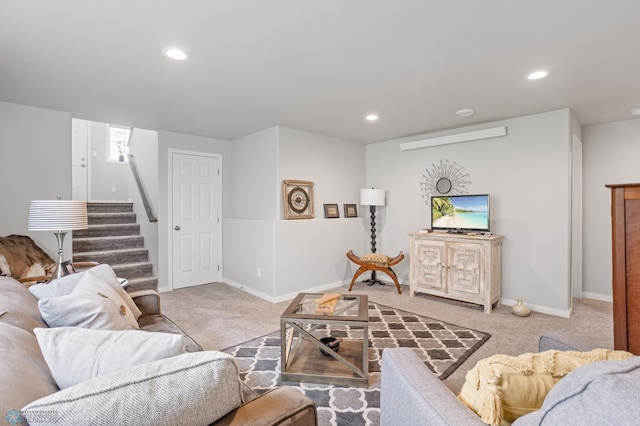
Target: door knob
{"x": 177, "y": 228}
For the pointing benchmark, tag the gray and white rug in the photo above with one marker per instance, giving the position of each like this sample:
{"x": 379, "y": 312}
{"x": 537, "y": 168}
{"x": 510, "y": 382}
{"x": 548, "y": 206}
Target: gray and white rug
{"x": 442, "y": 346}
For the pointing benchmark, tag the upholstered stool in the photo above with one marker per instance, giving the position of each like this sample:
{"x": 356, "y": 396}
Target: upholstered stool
{"x": 375, "y": 262}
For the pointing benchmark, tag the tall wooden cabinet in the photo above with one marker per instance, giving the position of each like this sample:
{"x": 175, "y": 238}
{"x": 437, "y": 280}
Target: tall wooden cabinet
{"x": 460, "y": 267}
{"x": 625, "y": 232}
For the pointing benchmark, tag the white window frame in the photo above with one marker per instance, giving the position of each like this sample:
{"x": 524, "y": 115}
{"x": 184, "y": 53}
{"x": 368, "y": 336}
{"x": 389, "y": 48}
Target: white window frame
{"x": 109, "y": 145}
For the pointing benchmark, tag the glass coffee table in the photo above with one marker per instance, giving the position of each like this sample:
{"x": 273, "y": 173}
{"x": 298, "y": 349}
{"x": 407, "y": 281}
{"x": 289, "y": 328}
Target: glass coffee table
{"x": 302, "y": 327}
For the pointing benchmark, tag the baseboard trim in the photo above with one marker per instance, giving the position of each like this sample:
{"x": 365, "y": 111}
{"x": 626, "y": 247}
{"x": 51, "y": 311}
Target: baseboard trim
{"x": 596, "y": 296}
{"x": 283, "y": 297}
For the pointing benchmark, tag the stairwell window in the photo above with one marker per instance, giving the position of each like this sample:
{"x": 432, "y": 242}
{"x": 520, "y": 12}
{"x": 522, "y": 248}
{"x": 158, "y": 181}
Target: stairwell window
{"x": 118, "y": 143}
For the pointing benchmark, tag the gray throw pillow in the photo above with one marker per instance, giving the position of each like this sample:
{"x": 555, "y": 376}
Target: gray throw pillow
{"x": 189, "y": 389}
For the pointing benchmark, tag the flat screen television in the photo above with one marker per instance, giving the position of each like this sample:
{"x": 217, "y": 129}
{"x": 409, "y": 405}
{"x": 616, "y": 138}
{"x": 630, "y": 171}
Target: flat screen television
{"x": 460, "y": 214}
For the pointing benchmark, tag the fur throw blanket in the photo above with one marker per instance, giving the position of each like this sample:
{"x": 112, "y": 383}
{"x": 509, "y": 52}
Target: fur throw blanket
{"x": 20, "y": 257}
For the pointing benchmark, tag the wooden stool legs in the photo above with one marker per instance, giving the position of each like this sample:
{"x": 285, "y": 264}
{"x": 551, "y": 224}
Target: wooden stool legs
{"x": 367, "y": 266}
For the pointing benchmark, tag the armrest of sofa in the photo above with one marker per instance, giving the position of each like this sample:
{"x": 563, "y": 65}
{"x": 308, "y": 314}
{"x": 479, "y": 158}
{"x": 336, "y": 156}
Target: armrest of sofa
{"x": 563, "y": 341}
{"x": 281, "y": 406}
{"x": 411, "y": 395}
{"x": 148, "y": 301}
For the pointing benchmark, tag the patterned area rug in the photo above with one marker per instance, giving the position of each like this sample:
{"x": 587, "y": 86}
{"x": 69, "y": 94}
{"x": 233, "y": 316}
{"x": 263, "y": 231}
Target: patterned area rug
{"x": 443, "y": 347}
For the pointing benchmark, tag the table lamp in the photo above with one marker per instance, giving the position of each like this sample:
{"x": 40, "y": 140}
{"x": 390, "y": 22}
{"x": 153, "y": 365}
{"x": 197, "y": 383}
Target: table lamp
{"x": 58, "y": 216}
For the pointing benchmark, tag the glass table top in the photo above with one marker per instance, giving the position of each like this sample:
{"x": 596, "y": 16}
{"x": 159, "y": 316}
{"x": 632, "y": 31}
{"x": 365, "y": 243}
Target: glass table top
{"x": 347, "y": 307}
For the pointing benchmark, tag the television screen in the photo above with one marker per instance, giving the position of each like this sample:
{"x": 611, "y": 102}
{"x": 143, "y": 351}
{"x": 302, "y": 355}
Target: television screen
{"x": 460, "y": 213}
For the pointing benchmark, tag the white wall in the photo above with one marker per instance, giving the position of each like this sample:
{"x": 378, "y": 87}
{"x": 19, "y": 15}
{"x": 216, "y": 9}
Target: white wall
{"x": 109, "y": 180}
{"x": 312, "y": 253}
{"x": 35, "y": 165}
{"x": 291, "y": 255}
{"x": 527, "y": 175}
{"x": 171, "y": 140}
{"x": 611, "y": 153}
{"x": 144, "y": 147}
{"x": 254, "y": 173}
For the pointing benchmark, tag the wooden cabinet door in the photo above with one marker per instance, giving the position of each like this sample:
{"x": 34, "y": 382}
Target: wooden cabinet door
{"x": 464, "y": 271}
{"x": 429, "y": 264}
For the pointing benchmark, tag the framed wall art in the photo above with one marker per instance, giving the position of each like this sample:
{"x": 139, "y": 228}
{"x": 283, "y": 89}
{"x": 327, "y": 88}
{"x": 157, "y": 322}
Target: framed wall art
{"x": 331, "y": 211}
{"x": 350, "y": 210}
{"x": 297, "y": 196}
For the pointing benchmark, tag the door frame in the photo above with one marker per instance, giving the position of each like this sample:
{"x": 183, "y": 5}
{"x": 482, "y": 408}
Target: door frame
{"x": 170, "y": 197}
{"x": 89, "y": 155}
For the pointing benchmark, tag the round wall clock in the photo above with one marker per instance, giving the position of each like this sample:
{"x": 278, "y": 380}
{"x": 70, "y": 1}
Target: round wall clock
{"x": 297, "y": 196}
{"x": 298, "y": 200}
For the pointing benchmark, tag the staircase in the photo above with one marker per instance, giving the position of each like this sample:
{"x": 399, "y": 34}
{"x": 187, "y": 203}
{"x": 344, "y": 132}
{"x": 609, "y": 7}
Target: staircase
{"x": 113, "y": 237}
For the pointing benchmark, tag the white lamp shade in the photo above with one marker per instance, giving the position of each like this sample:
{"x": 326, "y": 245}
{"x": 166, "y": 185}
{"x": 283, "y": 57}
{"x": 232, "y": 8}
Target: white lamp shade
{"x": 57, "y": 215}
{"x": 372, "y": 197}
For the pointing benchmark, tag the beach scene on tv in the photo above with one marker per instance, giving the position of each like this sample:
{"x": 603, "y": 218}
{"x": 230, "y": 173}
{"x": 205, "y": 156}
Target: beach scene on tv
{"x": 468, "y": 212}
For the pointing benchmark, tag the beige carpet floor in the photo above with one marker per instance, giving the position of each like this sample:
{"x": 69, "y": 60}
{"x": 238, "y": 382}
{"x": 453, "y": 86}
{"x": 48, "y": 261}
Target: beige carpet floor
{"x": 219, "y": 316}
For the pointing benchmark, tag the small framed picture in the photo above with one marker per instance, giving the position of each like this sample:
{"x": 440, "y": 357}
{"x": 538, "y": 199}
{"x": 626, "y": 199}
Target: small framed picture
{"x": 331, "y": 211}
{"x": 350, "y": 210}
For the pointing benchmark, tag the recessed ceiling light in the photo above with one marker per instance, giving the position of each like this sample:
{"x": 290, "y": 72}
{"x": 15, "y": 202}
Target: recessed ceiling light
{"x": 371, "y": 117}
{"x": 537, "y": 75}
{"x": 175, "y": 53}
{"x": 467, "y": 112}
{"x": 635, "y": 111}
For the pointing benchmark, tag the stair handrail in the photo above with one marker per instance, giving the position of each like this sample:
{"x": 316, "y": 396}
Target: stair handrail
{"x": 143, "y": 193}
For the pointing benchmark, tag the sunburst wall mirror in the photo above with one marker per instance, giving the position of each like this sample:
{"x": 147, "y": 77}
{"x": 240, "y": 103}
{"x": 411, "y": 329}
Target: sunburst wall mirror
{"x": 445, "y": 178}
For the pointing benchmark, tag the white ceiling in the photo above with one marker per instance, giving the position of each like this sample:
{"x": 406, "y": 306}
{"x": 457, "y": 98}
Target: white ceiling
{"x": 320, "y": 65}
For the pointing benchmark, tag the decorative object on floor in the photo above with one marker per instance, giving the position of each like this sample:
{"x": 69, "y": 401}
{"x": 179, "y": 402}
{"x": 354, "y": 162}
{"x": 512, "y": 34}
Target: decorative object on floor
{"x": 372, "y": 197}
{"x": 520, "y": 309}
{"x": 58, "y": 216}
{"x": 331, "y": 211}
{"x": 375, "y": 262}
{"x": 443, "y": 347}
{"x": 297, "y": 196}
{"x": 446, "y": 177}
{"x": 350, "y": 210}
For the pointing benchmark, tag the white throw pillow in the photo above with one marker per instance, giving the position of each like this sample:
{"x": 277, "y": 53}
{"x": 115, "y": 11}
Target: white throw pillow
{"x": 105, "y": 273}
{"x": 190, "y": 389}
{"x": 76, "y": 354}
{"x": 63, "y": 286}
{"x": 57, "y": 287}
{"x": 93, "y": 303}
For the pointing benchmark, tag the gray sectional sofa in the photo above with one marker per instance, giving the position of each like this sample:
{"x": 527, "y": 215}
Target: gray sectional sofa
{"x": 601, "y": 393}
{"x": 26, "y": 377}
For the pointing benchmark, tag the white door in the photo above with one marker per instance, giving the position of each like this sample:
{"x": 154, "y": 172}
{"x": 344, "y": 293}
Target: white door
{"x": 79, "y": 159}
{"x": 196, "y": 199}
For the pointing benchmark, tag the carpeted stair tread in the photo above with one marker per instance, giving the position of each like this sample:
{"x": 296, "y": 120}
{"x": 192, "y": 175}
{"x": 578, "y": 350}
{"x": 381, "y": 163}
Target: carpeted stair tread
{"x": 133, "y": 270}
{"x": 144, "y": 283}
{"x": 113, "y": 256}
{"x": 110, "y": 218}
{"x": 81, "y": 245}
{"x": 109, "y": 207}
{"x": 108, "y": 230}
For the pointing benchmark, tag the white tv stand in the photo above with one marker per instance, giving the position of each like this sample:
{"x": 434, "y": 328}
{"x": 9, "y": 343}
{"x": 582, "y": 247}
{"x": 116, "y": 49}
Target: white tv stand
{"x": 456, "y": 266}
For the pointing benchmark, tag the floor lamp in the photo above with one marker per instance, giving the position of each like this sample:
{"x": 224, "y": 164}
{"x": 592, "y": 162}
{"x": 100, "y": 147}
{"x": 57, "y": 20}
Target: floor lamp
{"x": 58, "y": 216}
{"x": 372, "y": 197}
